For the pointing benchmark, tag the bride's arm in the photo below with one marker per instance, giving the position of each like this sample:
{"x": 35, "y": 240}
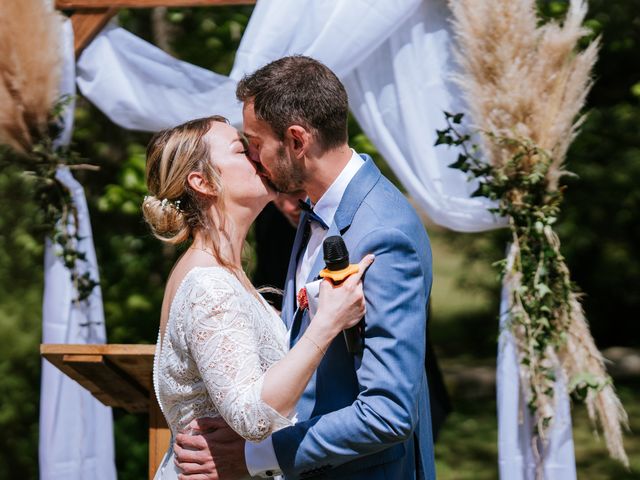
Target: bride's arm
{"x": 286, "y": 380}
{"x": 224, "y": 344}
{"x": 225, "y": 348}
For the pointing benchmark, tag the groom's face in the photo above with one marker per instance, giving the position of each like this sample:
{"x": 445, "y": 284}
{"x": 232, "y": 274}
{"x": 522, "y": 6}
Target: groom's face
{"x": 275, "y": 161}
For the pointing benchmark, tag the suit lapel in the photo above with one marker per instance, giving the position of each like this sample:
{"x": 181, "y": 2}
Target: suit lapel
{"x": 358, "y": 188}
{"x": 289, "y": 299}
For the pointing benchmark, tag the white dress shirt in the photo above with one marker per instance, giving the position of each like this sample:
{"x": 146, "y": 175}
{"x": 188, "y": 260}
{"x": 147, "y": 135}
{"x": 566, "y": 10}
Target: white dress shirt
{"x": 260, "y": 457}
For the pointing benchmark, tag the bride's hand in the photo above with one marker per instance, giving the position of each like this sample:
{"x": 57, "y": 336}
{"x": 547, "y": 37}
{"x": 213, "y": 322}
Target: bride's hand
{"x": 343, "y": 306}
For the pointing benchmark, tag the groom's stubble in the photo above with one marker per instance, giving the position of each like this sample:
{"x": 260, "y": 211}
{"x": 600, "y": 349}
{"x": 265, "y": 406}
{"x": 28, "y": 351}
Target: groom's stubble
{"x": 287, "y": 174}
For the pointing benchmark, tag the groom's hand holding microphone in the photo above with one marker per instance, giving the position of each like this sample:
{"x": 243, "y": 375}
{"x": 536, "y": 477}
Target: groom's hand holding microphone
{"x": 339, "y": 271}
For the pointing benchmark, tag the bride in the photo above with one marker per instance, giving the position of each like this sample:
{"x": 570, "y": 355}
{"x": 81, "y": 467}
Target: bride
{"x": 222, "y": 349}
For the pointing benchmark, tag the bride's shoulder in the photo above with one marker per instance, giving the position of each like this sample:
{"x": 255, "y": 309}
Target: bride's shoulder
{"x": 207, "y": 282}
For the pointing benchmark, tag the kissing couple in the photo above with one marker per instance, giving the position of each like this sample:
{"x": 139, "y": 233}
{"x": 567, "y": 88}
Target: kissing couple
{"x": 246, "y": 391}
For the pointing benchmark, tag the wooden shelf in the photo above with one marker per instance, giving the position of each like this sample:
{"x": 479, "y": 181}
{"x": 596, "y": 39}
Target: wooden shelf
{"x": 119, "y": 376}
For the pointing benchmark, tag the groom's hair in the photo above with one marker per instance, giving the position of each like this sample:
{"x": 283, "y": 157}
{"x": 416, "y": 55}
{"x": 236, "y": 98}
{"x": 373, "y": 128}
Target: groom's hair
{"x": 299, "y": 90}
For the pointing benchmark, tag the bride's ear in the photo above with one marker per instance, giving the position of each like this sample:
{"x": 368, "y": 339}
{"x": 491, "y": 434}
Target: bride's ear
{"x": 199, "y": 184}
{"x": 298, "y": 139}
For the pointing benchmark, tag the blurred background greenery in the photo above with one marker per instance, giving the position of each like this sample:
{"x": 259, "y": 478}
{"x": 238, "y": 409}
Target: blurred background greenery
{"x": 600, "y": 231}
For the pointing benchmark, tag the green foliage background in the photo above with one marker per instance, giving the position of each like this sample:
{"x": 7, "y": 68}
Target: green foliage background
{"x": 599, "y": 227}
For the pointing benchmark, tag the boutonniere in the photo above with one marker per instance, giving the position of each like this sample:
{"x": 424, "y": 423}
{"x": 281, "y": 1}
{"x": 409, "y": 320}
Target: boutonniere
{"x": 303, "y": 300}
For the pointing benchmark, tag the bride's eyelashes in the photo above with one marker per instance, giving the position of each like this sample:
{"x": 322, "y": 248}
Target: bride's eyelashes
{"x": 246, "y": 151}
{"x": 245, "y": 144}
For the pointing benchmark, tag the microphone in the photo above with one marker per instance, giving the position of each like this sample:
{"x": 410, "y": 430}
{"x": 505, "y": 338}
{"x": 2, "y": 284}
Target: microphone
{"x": 338, "y": 268}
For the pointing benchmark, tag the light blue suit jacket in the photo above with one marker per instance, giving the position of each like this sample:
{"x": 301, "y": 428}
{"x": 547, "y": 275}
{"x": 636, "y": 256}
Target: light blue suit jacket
{"x": 367, "y": 416}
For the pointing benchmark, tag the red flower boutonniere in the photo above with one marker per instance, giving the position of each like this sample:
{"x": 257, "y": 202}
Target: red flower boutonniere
{"x": 303, "y": 300}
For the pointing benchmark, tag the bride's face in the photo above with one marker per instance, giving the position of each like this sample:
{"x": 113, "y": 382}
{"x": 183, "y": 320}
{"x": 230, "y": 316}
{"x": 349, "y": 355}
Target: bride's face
{"x": 242, "y": 183}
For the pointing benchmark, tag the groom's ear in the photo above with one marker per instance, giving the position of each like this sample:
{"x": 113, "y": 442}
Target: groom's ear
{"x": 298, "y": 138}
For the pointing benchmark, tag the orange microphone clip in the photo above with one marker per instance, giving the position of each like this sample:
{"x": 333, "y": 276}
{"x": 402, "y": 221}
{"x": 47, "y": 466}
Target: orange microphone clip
{"x": 339, "y": 276}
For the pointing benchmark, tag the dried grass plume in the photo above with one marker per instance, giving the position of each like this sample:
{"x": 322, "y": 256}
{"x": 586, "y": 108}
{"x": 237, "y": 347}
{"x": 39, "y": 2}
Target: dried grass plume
{"x": 30, "y": 63}
{"x": 520, "y": 78}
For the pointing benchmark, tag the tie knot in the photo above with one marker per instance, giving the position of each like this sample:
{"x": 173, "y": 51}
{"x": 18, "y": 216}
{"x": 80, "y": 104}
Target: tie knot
{"x": 311, "y": 215}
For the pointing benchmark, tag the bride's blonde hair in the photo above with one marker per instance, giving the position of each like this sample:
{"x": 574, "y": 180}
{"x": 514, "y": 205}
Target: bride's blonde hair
{"x": 174, "y": 210}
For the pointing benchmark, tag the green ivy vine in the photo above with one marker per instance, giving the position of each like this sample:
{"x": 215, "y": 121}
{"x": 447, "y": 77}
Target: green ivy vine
{"x": 40, "y": 164}
{"x": 540, "y": 312}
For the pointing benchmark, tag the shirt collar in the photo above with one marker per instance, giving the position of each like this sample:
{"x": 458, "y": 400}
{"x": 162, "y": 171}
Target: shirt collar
{"x": 327, "y": 205}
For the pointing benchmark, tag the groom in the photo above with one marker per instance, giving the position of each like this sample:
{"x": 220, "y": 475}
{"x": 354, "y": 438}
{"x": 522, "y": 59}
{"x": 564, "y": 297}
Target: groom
{"x": 363, "y": 416}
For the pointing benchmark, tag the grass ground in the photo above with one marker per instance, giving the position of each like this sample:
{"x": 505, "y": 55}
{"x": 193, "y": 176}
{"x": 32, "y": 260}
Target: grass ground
{"x": 467, "y": 447}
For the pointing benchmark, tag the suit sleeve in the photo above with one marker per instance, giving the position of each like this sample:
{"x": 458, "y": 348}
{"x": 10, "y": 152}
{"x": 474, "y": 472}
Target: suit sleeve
{"x": 391, "y": 373}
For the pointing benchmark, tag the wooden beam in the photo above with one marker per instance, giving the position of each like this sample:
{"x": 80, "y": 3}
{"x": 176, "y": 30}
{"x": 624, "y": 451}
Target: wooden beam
{"x": 87, "y": 24}
{"x": 73, "y": 4}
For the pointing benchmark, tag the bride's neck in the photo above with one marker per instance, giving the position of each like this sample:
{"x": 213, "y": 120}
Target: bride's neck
{"x": 231, "y": 231}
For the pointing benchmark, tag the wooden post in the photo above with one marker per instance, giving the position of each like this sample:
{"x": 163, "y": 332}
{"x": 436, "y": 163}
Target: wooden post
{"x": 159, "y": 435}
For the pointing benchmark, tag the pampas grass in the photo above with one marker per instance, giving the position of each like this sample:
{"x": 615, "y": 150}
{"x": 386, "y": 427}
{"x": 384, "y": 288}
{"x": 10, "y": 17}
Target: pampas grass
{"x": 521, "y": 79}
{"x": 30, "y": 60}
{"x": 528, "y": 82}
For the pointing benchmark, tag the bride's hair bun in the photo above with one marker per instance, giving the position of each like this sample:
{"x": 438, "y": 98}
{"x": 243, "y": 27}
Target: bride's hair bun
{"x": 167, "y": 221}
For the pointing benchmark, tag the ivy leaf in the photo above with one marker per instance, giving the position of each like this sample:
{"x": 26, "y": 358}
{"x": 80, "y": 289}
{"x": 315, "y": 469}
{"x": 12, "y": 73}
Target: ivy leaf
{"x": 483, "y": 190}
{"x": 542, "y": 289}
{"x": 544, "y": 321}
{"x": 460, "y": 163}
{"x": 443, "y": 138}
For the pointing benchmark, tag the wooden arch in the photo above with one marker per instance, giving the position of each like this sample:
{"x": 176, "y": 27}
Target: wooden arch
{"x": 90, "y": 16}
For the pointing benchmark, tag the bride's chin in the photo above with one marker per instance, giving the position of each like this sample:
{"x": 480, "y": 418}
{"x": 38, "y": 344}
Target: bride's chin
{"x": 269, "y": 191}
{"x": 268, "y": 196}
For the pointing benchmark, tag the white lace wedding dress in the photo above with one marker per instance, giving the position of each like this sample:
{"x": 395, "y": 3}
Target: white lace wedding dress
{"x": 218, "y": 343}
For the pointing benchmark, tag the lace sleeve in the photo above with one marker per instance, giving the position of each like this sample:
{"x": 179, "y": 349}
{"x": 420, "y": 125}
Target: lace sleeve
{"x": 223, "y": 341}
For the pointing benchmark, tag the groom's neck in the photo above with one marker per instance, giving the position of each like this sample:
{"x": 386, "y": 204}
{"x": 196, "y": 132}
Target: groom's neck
{"x": 323, "y": 169}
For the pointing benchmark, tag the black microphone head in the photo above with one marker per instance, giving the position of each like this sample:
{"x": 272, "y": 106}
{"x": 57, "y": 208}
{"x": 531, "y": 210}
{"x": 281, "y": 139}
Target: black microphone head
{"x": 336, "y": 255}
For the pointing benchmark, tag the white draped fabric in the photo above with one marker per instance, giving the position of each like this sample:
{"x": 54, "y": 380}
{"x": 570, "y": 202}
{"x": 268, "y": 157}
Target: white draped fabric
{"x": 140, "y": 87}
{"x": 395, "y": 61}
{"x": 398, "y": 95}
{"x": 76, "y": 431}
{"x": 516, "y": 458}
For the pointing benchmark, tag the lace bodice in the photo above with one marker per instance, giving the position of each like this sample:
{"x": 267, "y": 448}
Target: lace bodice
{"x": 218, "y": 343}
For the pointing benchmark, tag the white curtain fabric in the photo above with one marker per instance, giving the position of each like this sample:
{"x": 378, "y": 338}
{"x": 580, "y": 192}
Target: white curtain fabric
{"x": 140, "y": 87}
{"x": 395, "y": 60}
{"x": 76, "y": 431}
{"x": 516, "y": 459}
{"x": 398, "y": 95}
